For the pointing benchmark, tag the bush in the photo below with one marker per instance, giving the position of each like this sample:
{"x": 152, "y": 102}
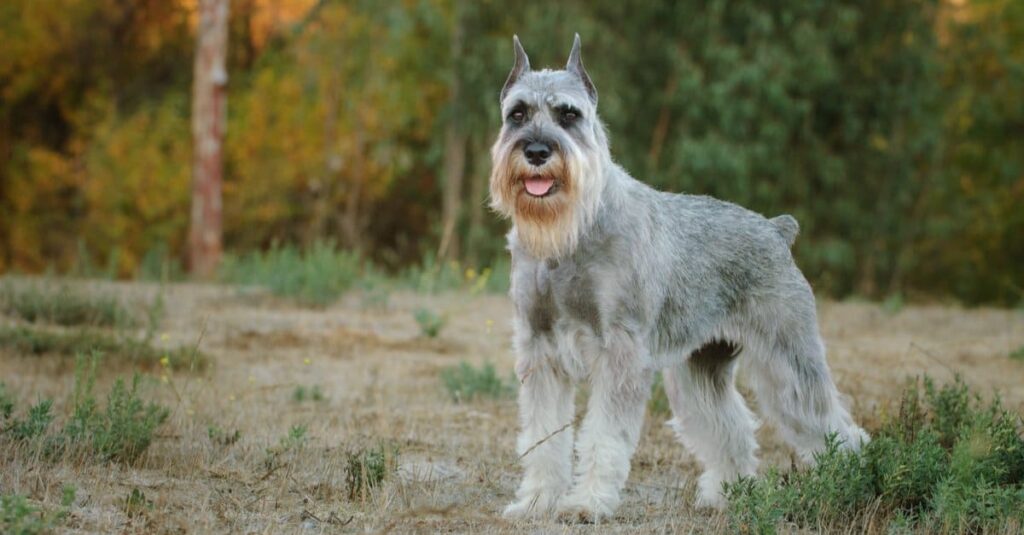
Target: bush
{"x": 947, "y": 462}
{"x": 465, "y": 382}
{"x": 317, "y": 276}
{"x": 63, "y": 306}
{"x": 367, "y": 468}
{"x": 430, "y": 322}
{"x": 37, "y": 341}
{"x": 121, "y": 431}
{"x": 18, "y": 517}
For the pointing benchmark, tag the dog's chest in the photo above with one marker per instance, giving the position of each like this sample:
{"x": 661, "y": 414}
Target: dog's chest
{"x": 559, "y": 296}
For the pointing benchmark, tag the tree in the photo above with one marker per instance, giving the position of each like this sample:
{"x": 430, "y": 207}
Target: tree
{"x": 209, "y": 107}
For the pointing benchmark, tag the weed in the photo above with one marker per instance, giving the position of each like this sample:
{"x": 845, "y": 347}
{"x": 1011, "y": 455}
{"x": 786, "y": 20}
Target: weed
{"x": 465, "y": 382}
{"x": 367, "y": 468}
{"x": 63, "y": 306}
{"x": 431, "y": 276}
{"x": 947, "y": 463}
{"x": 1018, "y": 354}
{"x": 317, "y": 276}
{"x": 35, "y": 422}
{"x": 293, "y": 441}
{"x": 18, "y": 517}
{"x": 38, "y": 341}
{"x": 158, "y": 264}
{"x": 430, "y": 322}
{"x": 6, "y": 404}
{"x": 302, "y": 393}
{"x": 222, "y": 437}
{"x": 124, "y": 429}
{"x": 893, "y": 304}
{"x": 136, "y": 503}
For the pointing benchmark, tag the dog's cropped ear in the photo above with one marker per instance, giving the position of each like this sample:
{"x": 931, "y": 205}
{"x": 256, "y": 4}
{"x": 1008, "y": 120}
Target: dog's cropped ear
{"x": 521, "y": 66}
{"x": 575, "y": 66}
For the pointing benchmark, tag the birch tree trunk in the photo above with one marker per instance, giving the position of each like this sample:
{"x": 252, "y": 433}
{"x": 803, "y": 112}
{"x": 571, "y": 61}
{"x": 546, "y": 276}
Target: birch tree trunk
{"x": 209, "y": 107}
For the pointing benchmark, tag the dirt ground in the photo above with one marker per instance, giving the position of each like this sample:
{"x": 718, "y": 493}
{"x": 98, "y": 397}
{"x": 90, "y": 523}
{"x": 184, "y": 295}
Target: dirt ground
{"x": 456, "y": 462}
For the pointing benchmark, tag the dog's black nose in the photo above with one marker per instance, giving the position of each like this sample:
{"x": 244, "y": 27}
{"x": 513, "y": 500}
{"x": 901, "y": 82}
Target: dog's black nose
{"x": 537, "y": 153}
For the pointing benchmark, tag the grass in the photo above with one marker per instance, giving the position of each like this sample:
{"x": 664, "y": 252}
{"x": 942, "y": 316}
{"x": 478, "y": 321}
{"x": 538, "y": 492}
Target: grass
{"x": 120, "y": 431}
{"x": 946, "y": 462}
{"x": 316, "y": 276}
{"x": 466, "y": 382}
{"x": 1018, "y": 354}
{"x": 431, "y": 276}
{"x": 459, "y": 464}
{"x": 367, "y": 468}
{"x": 19, "y": 517}
{"x": 62, "y": 305}
{"x": 430, "y": 322}
{"x": 33, "y": 340}
{"x": 302, "y": 393}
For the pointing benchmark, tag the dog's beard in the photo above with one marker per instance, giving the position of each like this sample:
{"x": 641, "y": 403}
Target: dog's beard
{"x": 548, "y": 226}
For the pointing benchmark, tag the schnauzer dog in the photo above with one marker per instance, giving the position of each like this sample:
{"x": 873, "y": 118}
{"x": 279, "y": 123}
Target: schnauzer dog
{"x": 613, "y": 280}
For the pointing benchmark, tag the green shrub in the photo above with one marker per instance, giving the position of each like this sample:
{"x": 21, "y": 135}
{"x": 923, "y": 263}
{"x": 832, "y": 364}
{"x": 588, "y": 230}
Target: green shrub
{"x": 36, "y": 303}
{"x": 35, "y": 423}
{"x": 222, "y": 437}
{"x": 431, "y": 276}
{"x": 136, "y": 503}
{"x": 6, "y": 404}
{"x": 367, "y": 468}
{"x": 313, "y": 393}
{"x": 18, "y": 517}
{"x": 947, "y": 462}
{"x": 466, "y": 382}
{"x": 316, "y": 276}
{"x": 123, "y": 430}
{"x": 121, "y": 349}
{"x": 430, "y": 322}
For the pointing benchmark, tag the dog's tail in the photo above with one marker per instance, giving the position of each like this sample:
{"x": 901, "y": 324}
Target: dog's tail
{"x": 787, "y": 226}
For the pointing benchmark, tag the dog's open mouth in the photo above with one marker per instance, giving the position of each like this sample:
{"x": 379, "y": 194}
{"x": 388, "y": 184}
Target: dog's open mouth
{"x": 540, "y": 186}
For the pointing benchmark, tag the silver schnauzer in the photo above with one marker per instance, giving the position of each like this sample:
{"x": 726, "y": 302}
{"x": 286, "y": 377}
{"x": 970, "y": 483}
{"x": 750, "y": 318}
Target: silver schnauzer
{"x": 613, "y": 280}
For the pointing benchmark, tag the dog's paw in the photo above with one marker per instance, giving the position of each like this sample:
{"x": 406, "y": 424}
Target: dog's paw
{"x": 711, "y": 500}
{"x": 709, "y": 492}
{"x": 532, "y": 505}
{"x": 586, "y": 508}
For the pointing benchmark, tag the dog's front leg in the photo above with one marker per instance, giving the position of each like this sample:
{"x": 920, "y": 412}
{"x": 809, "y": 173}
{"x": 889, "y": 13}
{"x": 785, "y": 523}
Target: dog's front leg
{"x": 545, "y": 438}
{"x": 620, "y": 386}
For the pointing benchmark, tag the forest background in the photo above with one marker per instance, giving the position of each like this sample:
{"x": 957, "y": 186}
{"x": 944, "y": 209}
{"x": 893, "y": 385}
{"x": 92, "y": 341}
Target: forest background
{"x": 892, "y": 129}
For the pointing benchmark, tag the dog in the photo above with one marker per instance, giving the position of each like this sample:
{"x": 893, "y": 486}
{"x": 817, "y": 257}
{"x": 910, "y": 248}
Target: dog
{"x": 612, "y": 280}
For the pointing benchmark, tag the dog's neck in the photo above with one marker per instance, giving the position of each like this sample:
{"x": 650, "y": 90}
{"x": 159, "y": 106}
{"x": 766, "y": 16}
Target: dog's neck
{"x": 561, "y": 239}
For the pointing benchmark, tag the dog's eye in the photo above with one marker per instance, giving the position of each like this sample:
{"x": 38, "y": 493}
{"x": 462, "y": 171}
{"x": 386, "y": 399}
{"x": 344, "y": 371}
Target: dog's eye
{"x": 517, "y": 116}
{"x": 569, "y": 116}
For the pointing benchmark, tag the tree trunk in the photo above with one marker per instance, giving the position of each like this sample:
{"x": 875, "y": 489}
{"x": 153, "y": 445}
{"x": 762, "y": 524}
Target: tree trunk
{"x": 454, "y": 152}
{"x": 209, "y": 106}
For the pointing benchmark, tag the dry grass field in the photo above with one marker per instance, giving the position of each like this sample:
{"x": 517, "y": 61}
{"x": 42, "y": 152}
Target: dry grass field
{"x": 355, "y": 377}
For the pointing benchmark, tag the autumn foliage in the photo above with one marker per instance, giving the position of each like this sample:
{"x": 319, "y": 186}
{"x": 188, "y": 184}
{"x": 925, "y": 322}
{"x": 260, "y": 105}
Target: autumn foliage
{"x": 890, "y": 128}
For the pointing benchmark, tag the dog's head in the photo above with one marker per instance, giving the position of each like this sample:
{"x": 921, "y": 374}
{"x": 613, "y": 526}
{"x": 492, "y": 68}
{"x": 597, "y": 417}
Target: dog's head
{"x": 547, "y": 161}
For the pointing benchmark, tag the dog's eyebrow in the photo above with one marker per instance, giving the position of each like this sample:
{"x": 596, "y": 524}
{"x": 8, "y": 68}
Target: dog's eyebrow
{"x": 517, "y": 106}
{"x": 568, "y": 107}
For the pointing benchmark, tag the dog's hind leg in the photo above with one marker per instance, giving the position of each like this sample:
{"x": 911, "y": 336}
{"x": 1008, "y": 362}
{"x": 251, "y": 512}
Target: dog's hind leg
{"x": 790, "y": 376}
{"x": 711, "y": 419}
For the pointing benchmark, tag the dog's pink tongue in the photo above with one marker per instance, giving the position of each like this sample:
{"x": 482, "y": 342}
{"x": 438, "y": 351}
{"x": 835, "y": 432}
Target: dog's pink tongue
{"x": 539, "y": 185}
